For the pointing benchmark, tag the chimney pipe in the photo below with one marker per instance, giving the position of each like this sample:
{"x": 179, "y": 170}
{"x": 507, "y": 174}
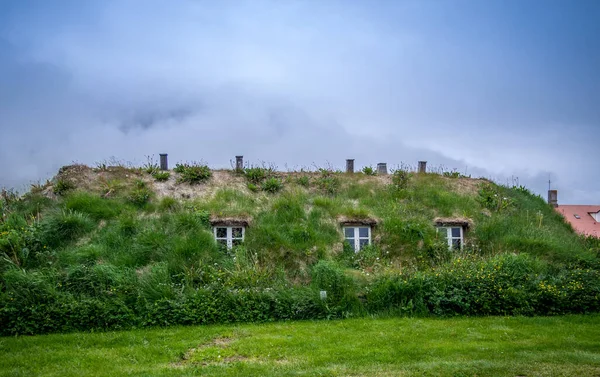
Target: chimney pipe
{"x": 239, "y": 163}
{"x": 553, "y": 198}
{"x": 164, "y": 165}
{"x": 350, "y": 165}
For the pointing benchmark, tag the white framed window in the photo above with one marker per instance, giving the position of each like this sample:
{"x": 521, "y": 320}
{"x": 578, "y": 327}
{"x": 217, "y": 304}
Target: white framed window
{"x": 453, "y": 235}
{"x": 229, "y": 236}
{"x": 357, "y": 236}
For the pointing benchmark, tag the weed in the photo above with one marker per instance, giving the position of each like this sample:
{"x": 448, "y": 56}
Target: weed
{"x": 368, "y": 170}
{"x": 303, "y": 180}
{"x": 139, "y": 196}
{"x": 328, "y": 181}
{"x": 161, "y": 176}
{"x": 400, "y": 179}
{"x": 252, "y": 187}
{"x": 110, "y": 187}
{"x": 493, "y": 199}
{"x": 62, "y": 186}
{"x": 168, "y": 204}
{"x": 193, "y": 173}
{"x": 272, "y": 185}
{"x": 257, "y": 174}
{"x": 150, "y": 167}
{"x": 452, "y": 174}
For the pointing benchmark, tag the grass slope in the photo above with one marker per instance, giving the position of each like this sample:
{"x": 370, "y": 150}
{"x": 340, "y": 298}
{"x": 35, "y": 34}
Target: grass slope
{"x": 117, "y": 247}
{"x": 491, "y": 346}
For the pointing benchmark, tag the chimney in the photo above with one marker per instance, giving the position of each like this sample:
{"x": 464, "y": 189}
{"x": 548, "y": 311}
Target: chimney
{"x": 350, "y": 165}
{"x": 382, "y": 168}
{"x": 239, "y": 163}
{"x": 553, "y": 198}
{"x": 164, "y": 165}
{"x": 422, "y": 166}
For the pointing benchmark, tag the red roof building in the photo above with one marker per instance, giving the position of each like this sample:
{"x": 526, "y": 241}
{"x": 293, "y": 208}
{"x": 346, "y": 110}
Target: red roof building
{"x": 585, "y": 219}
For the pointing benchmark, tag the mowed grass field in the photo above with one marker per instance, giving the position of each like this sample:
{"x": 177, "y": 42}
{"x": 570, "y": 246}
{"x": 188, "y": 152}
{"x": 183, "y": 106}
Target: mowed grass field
{"x": 489, "y": 346}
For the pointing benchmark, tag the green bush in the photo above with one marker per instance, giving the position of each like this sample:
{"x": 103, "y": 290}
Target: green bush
{"x": 272, "y": 185}
{"x": 368, "y": 170}
{"x": 161, "y": 176}
{"x": 400, "y": 179}
{"x": 303, "y": 180}
{"x": 493, "y": 198}
{"x": 140, "y": 197}
{"x": 192, "y": 173}
{"x": 341, "y": 291}
{"x": 257, "y": 175}
{"x": 328, "y": 182}
{"x": 62, "y": 186}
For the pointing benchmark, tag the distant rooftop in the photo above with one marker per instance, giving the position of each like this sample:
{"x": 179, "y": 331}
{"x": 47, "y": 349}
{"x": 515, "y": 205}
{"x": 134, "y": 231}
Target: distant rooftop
{"x": 583, "y": 218}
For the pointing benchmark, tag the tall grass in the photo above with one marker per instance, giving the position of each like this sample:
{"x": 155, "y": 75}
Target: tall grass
{"x": 92, "y": 205}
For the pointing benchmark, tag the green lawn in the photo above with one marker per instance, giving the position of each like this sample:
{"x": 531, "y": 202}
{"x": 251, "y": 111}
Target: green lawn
{"x": 495, "y": 346}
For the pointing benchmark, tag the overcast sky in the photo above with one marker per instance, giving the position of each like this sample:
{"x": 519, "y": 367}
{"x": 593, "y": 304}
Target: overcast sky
{"x": 498, "y": 89}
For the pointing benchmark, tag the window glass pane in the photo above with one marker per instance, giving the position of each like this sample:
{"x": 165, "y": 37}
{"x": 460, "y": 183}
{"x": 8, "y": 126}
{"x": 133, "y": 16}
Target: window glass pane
{"x": 349, "y": 232}
{"x": 442, "y": 233}
{"x": 222, "y": 245}
{"x": 456, "y": 243}
{"x": 455, "y": 232}
{"x": 221, "y": 232}
{"x": 363, "y": 243}
{"x": 350, "y": 242}
{"x": 363, "y": 232}
{"x": 236, "y": 232}
{"x": 236, "y": 242}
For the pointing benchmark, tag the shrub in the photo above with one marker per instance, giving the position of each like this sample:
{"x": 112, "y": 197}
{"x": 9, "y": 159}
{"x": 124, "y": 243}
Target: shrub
{"x": 303, "y": 181}
{"x": 140, "y": 196}
{"x": 341, "y": 291}
{"x": 256, "y": 174}
{"x": 161, "y": 176}
{"x": 400, "y": 179}
{"x": 368, "y": 170}
{"x": 491, "y": 197}
{"x": 452, "y": 174}
{"x": 192, "y": 173}
{"x": 252, "y": 187}
{"x": 20, "y": 244}
{"x": 328, "y": 181}
{"x": 272, "y": 185}
{"x": 62, "y": 186}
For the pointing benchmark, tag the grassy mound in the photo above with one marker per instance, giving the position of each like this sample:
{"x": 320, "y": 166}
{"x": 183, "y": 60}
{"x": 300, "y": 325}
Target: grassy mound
{"x": 119, "y": 247}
